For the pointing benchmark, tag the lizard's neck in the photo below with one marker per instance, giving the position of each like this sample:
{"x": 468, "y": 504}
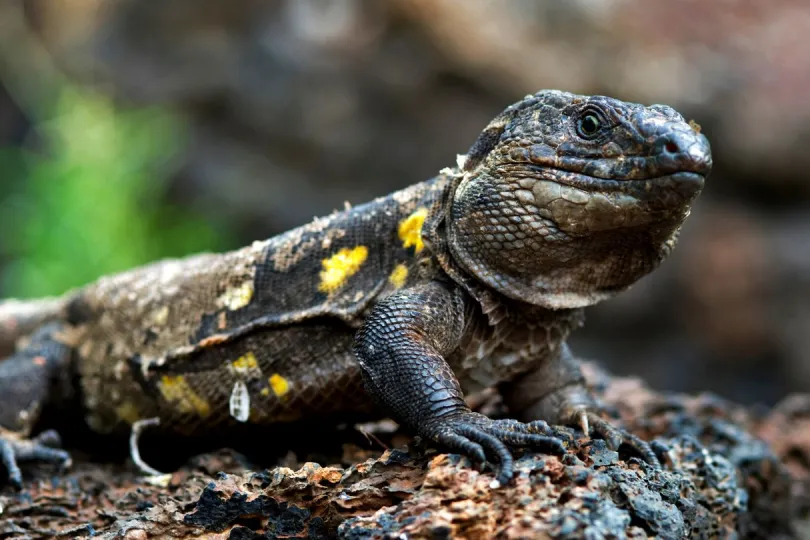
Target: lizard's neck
{"x": 496, "y": 307}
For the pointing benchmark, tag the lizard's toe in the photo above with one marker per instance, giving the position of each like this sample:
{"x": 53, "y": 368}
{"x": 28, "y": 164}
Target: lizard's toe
{"x": 14, "y": 449}
{"x": 480, "y": 438}
{"x": 662, "y": 451}
{"x": 615, "y": 437}
{"x": 462, "y": 445}
{"x": 9, "y": 459}
{"x": 537, "y": 434}
{"x": 494, "y": 448}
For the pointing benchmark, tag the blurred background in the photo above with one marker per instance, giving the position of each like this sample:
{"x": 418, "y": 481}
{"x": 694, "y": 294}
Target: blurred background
{"x": 132, "y": 130}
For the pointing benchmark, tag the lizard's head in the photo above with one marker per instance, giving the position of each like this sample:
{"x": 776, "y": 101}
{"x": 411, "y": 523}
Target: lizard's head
{"x": 565, "y": 200}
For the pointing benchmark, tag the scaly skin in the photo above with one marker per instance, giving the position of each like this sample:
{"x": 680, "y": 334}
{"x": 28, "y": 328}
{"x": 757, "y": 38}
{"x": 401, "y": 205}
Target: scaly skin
{"x": 470, "y": 280}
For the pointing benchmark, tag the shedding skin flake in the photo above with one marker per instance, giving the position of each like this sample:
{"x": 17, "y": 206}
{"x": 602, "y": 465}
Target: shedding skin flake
{"x": 338, "y": 268}
{"x": 239, "y": 403}
{"x": 410, "y": 230}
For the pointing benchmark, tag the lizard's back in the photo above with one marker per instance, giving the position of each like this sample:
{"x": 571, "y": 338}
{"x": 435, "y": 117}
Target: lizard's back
{"x": 262, "y": 334}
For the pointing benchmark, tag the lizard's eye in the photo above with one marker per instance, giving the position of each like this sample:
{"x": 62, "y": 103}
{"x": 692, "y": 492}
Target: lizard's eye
{"x": 589, "y": 125}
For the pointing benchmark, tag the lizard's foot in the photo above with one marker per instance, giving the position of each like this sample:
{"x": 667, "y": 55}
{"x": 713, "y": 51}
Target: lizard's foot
{"x": 479, "y": 437}
{"x": 14, "y": 449}
{"x": 591, "y": 422}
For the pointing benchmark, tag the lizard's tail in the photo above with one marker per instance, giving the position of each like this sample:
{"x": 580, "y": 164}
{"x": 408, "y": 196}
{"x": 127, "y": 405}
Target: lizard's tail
{"x": 20, "y": 317}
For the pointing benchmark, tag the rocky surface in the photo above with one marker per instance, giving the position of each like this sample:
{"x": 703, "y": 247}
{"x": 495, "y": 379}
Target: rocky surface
{"x": 730, "y": 471}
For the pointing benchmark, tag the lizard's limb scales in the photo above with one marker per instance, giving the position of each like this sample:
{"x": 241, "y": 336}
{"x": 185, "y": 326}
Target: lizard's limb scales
{"x": 401, "y": 349}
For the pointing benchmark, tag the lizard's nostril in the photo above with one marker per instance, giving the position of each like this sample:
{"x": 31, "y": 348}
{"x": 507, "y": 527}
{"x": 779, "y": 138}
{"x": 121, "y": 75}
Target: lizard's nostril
{"x": 684, "y": 151}
{"x": 670, "y": 143}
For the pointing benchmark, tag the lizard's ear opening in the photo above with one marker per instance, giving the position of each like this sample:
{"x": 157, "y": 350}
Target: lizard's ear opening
{"x": 484, "y": 144}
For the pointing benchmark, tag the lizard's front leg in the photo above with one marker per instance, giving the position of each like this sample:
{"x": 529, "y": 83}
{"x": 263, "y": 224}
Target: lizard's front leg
{"x": 556, "y": 392}
{"x": 401, "y": 349}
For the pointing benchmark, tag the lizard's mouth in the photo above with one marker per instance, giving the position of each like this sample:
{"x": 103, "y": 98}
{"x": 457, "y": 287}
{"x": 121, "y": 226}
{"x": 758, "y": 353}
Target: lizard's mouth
{"x": 685, "y": 183}
{"x": 675, "y": 166}
{"x": 676, "y": 188}
{"x": 582, "y": 204}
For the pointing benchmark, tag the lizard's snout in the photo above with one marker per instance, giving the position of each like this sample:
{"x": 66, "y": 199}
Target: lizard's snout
{"x": 682, "y": 149}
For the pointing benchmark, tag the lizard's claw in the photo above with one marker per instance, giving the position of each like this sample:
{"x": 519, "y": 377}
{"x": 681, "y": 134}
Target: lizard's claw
{"x": 480, "y": 438}
{"x": 583, "y": 422}
{"x": 615, "y": 437}
{"x": 14, "y": 449}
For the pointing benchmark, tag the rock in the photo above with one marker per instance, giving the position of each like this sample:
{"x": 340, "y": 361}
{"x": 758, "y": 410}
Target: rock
{"x": 729, "y": 470}
{"x": 293, "y": 107}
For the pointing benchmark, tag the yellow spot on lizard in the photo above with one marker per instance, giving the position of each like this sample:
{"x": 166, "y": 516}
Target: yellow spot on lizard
{"x": 160, "y": 317}
{"x": 410, "y": 230}
{"x": 245, "y": 363}
{"x": 279, "y": 384}
{"x": 128, "y": 412}
{"x": 175, "y": 389}
{"x": 237, "y": 297}
{"x": 265, "y": 392}
{"x": 340, "y": 267}
{"x": 398, "y": 275}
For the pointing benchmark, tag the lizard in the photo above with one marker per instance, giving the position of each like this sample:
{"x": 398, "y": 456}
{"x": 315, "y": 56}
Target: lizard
{"x": 401, "y": 306}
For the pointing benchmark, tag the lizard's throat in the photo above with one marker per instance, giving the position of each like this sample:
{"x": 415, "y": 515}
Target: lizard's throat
{"x": 534, "y": 260}
{"x": 569, "y": 276}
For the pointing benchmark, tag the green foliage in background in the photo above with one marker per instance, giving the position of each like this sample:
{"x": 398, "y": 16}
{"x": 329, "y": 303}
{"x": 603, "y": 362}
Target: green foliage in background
{"x": 91, "y": 199}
